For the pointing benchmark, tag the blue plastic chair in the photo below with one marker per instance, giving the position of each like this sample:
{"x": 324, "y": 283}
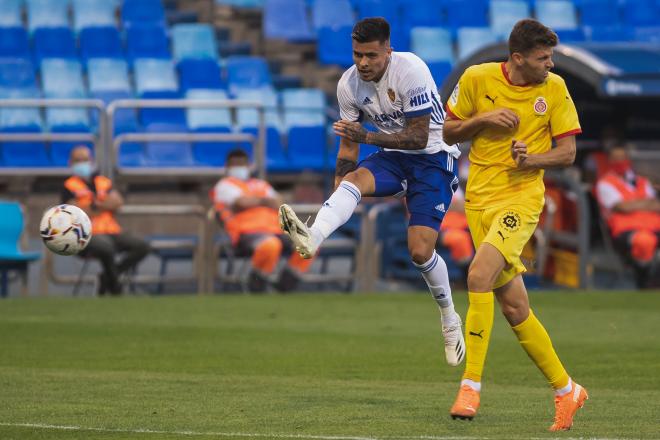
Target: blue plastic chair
{"x": 335, "y": 46}
{"x": 73, "y": 123}
{"x": 24, "y": 154}
{"x": 466, "y": 13}
{"x": 307, "y": 148}
{"x": 421, "y": 13}
{"x": 303, "y": 108}
{"x": 607, "y": 34}
{"x": 100, "y": 42}
{"x": 93, "y": 13}
{"x": 168, "y": 154}
{"x": 248, "y": 117}
{"x": 146, "y": 41}
{"x": 246, "y": 72}
{"x": 16, "y": 73}
{"x": 63, "y": 79}
{"x": 387, "y": 9}
{"x": 47, "y": 13}
{"x": 557, "y": 14}
{"x": 12, "y": 117}
{"x": 639, "y": 13}
{"x": 108, "y": 75}
{"x": 198, "y": 118}
{"x": 287, "y": 20}
{"x": 125, "y": 119}
{"x": 276, "y": 158}
{"x": 471, "y": 39}
{"x": 432, "y": 44}
{"x": 154, "y": 75}
{"x": 53, "y": 43}
{"x": 200, "y": 74}
{"x": 136, "y": 12}
{"x": 647, "y": 34}
{"x": 131, "y": 155}
{"x": 504, "y": 14}
{"x": 599, "y": 12}
{"x": 11, "y": 255}
{"x": 439, "y": 71}
{"x": 14, "y": 43}
{"x": 171, "y": 116}
{"x": 193, "y": 41}
{"x": 11, "y": 13}
{"x": 570, "y": 35}
{"x": 332, "y": 14}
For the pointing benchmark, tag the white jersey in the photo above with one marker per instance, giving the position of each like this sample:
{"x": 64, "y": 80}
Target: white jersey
{"x": 406, "y": 90}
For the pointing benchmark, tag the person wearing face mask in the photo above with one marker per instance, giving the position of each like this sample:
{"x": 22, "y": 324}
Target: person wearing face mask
{"x": 632, "y": 210}
{"x": 94, "y": 194}
{"x": 247, "y": 208}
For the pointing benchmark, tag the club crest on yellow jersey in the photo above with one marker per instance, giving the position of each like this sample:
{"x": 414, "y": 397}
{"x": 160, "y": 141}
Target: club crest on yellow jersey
{"x": 540, "y": 106}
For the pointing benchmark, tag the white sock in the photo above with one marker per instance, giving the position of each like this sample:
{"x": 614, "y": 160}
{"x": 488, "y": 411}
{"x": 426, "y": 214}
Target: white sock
{"x": 435, "y": 274}
{"x": 566, "y": 389}
{"x": 472, "y": 384}
{"x": 335, "y": 211}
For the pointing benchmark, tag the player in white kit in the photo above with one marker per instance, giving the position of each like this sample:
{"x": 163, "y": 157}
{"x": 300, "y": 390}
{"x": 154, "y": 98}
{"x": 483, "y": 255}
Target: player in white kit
{"x": 395, "y": 92}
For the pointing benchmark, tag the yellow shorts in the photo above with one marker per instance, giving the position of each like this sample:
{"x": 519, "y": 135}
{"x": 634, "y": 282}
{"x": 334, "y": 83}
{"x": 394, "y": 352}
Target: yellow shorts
{"x": 508, "y": 229}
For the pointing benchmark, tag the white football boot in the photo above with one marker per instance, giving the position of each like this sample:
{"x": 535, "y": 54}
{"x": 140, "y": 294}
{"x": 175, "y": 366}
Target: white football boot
{"x": 454, "y": 343}
{"x": 298, "y": 231}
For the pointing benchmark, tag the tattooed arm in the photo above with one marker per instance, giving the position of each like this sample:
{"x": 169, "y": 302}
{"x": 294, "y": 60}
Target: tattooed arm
{"x": 414, "y": 135}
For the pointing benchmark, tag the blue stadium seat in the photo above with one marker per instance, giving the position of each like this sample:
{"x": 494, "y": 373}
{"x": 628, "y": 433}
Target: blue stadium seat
{"x": 24, "y": 154}
{"x": 154, "y": 75}
{"x": 208, "y": 117}
{"x": 647, "y": 34}
{"x": 245, "y": 72}
{"x": 387, "y": 9}
{"x": 641, "y": 13}
{"x": 146, "y": 41}
{"x": 303, "y": 108}
{"x": 471, "y": 39}
{"x": 439, "y": 71}
{"x": 466, "y": 13}
{"x": 168, "y": 154}
{"x": 12, "y": 117}
{"x": 16, "y": 73}
{"x": 276, "y": 159}
{"x": 47, "y": 13}
{"x": 53, "y": 43}
{"x": 171, "y": 116}
{"x": 599, "y": 12}
{"x": 247, "y": 117}
{"x": 287, "y": 20}
{"x": 100, "y": 42}
{"x": 14, "y": 43}
{"x": 307, "y": 148}
{"x": 193, "y": 41}
{"x": 504, "y": 14}
{"x": 242, "y": 3}
{"x": 332, "y": 14}
{"x": 63, "y": 79}
{"x": 607, "y": 33}
{"x": 93, "y": 13}
{"x": 108, "y": 75}
{"x": 199, "y": 74}
{"x": 335, "y": 46}
{"x": 213, "y": 153}
{"x": 136, "y": 12}
{"x": 421, "y": 13}
{"x": 571, "y": 35}
{"x": 124, "y": 119}
{"x": 557, "y": 14}
{"x": 432, "y": 44}
{"x": 11, "y": 13}
{"x": 60, "y": 151}
{"x": 131, "y": 154}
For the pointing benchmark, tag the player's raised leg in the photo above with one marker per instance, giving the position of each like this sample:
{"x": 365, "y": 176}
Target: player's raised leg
{"x": 421, "y": 244}
{"x": 534, "y": 339}
{"x": 335, "y": 212}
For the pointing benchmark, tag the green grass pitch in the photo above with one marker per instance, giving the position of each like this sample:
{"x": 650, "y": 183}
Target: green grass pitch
{"x": 313, "y": 366}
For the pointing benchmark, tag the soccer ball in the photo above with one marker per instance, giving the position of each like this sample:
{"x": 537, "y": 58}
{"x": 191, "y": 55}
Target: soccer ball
{"x": 65, "y": 229}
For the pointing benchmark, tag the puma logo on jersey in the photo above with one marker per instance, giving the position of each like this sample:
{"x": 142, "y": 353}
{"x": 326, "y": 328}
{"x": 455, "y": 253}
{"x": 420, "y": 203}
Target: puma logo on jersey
{"x": 491, "y": 99}
{"x": 477, "y": 334}
{"x": 501, "y": 235}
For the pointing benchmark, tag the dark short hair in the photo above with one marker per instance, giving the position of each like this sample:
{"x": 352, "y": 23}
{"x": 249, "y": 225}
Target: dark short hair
{"x": 528, "y": 34}
{"x": 371, "y": 29}
{"x": 237, "y": 153}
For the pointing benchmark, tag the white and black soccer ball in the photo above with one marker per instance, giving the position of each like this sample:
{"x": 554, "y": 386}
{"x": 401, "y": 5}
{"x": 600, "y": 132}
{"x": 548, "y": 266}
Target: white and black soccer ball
{"x": 65, "y": 229}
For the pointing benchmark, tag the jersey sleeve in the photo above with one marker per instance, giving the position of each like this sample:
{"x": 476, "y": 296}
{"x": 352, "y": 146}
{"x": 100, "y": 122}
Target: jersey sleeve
{"x": 564, "y": 118}
{"x": 461, "y": 103}
{"x": 348, "y": 109}
{"x": 226, "y": 193}
{"x": 416, "y": 88}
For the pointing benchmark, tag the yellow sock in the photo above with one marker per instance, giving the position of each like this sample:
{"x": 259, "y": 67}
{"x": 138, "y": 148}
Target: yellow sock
{"x": 478, "y": 325}
{"x": 536, "y": 342}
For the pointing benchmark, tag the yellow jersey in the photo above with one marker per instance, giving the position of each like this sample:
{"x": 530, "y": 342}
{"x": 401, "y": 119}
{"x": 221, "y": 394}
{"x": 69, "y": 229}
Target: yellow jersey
{"x": 546, "y": 111}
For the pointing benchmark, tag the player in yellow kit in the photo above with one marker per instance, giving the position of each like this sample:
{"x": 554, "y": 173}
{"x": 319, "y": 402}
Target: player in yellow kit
{"x": 511, "y": 112}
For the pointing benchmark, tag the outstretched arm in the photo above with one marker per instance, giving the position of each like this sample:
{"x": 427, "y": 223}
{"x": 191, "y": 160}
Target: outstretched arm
{"x": 414, "y": 136}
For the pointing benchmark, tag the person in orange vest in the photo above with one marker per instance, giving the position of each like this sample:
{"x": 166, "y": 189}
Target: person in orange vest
{"x": 454, "y": 232}
{"x": 94, "y": 194}
{"x": 632, "y": 210}
{"x": 247, "y": 208}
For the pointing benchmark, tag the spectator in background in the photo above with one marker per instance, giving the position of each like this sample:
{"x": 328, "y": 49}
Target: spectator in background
{"x": 454, "y": 232}
{"x": 629, "y": 204}
{"x": 94, "y": 194}
{"x": 247, "y": 208}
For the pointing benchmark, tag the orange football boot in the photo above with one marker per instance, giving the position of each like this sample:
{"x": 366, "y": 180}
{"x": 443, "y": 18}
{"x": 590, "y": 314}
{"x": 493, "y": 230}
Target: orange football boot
{"x": 466, "y": 404}
{"x": 566, "y": 406}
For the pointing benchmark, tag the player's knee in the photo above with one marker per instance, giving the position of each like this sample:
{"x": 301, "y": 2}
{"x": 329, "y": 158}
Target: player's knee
{"x": 479, "y": 280}
{"x": 420, "y": 253}
{"x": 515, "y": 312}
